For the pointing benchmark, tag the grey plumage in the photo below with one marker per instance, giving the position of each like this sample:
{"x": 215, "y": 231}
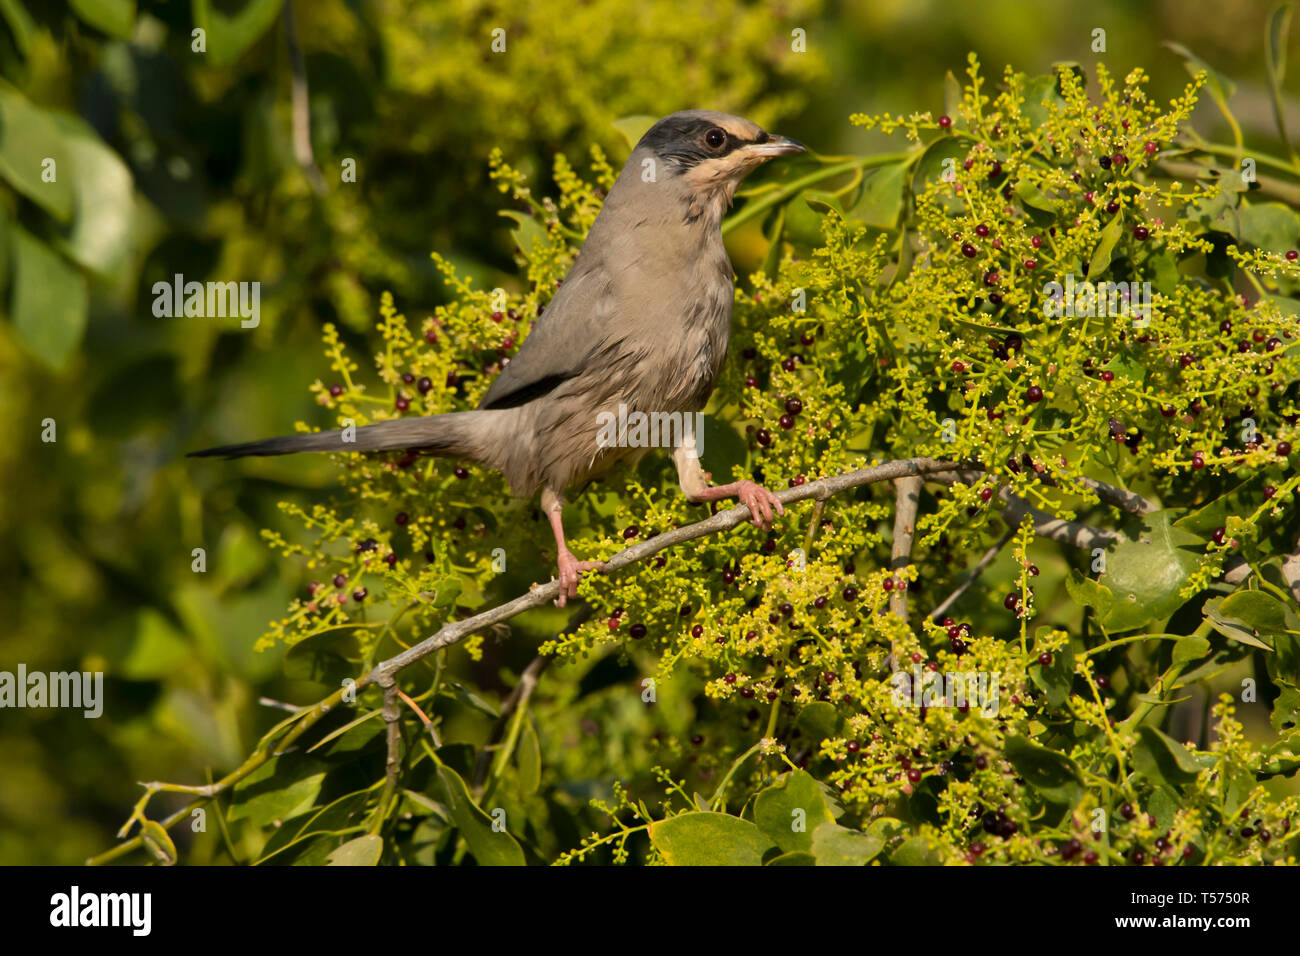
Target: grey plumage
{"x": 642, "y": 320}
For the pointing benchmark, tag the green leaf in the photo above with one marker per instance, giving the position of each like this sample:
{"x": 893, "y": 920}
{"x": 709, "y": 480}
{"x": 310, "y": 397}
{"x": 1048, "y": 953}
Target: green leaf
{"x": 157, "y": 648}
{"x": 1052, "y": 774}
{"x": 886, "y": 828}
{"x": 1275, "y": 37}
{"x": 1040, "y": 90}
{"x": 1258, "y": 609}
{"x": 470, "y": 699}
{"x": 528, "y": 756}
{"x": 363, "y": 851}
{"x": 49, "y": 300}
{"x": 1163, "y": 804}
{"x": 490, "y": 847}
{"x": 881, "y": 201}
{"x": 1031, "y": 195}
{"x": 819, "y": 720}
{"x": 772, "y": 258}
{"x": 28, "y": 137}
{"x": 114, "y": 17}
{"x": 1220, "y": 88}
{"x": 528, "y": 232}
{"x": 794, "y": 800}
{"x": 1105, "y": 249}
{"x": 834, "y": 845}
{"x": 634, "y": 127}
{"x": 918, "y": 851}
{"x": 1286, "y": 709}
{"x": 20, "y": 23}
{"x": 699, "y": 838}
{"x": 281, "y": 788}
{"x": 1145, "y": 575}
{"x": 1269, "y": 226}
{"x": 158, "y": 843}
{"x": 1163, "y": 760}
{"x": 99, "y": 236}
{"x": 1233, "y": 627}
{"x": 792, "y": 859}
{"x": 952, "y": 99}
{"x": 291, "y": 839}
{"x": 1164, "y": 273}
{"x": 1086, "y": 592}
{"x": 229, "y": 35}
{"x": 1190, "y": 648}
{"x": 930, "y": 168}
{"x": 1057, "y": 678}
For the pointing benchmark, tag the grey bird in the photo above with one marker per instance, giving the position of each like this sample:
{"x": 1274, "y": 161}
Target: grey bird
{"x": 641, "y": 321}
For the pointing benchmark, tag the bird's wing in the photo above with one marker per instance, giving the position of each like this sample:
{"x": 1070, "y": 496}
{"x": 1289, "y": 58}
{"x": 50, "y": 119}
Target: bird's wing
{"x": 561, "y": 342}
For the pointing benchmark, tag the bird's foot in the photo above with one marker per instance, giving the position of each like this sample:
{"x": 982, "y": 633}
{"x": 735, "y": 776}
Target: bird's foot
{"x": 760, "y": 502}
{"x": 571, "y": 570}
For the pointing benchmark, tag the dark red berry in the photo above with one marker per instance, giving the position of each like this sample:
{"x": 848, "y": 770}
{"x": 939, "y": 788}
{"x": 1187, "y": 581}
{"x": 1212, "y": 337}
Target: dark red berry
{"x": 763, "y": 437}
{"x": 402, "y": 403}
{"x": 637, "y": 631}
{"x": 461, "y": 473}
{"x": 850, "y": 594}
{"x": 1034, "y": 394}
{"x": 340, "y": 580}
{"x": 793, "y": 405}
{"x": 786, "y": 421}
{"x": 945, "y": 121}
{"x": 1140, "y": 233}
{"x": 1045, "y": 659}
{"x": 336, "y": 390}
{"x": 359, "y": 595}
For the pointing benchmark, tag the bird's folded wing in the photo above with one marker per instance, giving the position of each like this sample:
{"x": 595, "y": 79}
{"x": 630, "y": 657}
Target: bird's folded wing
{"x": 562, "y": 342}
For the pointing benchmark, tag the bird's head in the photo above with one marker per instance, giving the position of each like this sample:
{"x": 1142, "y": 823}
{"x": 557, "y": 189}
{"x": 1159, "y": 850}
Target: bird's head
{"x": 705, "y": 154}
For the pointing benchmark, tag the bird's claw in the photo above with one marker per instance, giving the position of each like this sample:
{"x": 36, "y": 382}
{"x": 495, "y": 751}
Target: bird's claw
{"x": 571, "y": 570}
{"x": 760, "y": 502}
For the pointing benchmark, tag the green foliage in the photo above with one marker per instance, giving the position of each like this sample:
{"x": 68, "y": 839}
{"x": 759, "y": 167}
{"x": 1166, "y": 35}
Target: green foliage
{"x": 930, "y": 328}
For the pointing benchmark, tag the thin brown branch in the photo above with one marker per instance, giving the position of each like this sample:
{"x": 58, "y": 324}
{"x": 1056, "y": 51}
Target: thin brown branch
{"x": 908, "y": 496}
{"x": 539, "y": 595}
{"x": 980, "y": 567}
{"x": 424, "y": 718}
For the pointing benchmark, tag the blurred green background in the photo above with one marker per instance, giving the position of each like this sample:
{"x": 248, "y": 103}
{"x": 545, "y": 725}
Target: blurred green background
{"x": 176, "y": 161}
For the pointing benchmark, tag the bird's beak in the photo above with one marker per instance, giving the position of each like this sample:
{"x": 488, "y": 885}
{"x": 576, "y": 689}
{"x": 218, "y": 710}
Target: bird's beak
{"x": 775, "y": 146}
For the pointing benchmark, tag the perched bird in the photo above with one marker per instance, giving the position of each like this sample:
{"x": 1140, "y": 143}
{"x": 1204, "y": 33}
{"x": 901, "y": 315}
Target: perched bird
{"x": 641, "y": 321}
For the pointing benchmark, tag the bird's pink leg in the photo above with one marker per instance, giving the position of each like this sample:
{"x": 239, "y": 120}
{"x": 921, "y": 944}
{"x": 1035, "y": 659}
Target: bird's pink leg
{"x": 571, "y": 568}
{"x": 695, "y": 485}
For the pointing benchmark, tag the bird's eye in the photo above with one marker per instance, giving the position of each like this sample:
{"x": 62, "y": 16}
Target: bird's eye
{"x": 714, "y": 138}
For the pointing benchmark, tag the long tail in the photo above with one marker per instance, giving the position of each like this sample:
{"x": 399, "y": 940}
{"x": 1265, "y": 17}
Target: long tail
{"x": 456, "y": 434}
